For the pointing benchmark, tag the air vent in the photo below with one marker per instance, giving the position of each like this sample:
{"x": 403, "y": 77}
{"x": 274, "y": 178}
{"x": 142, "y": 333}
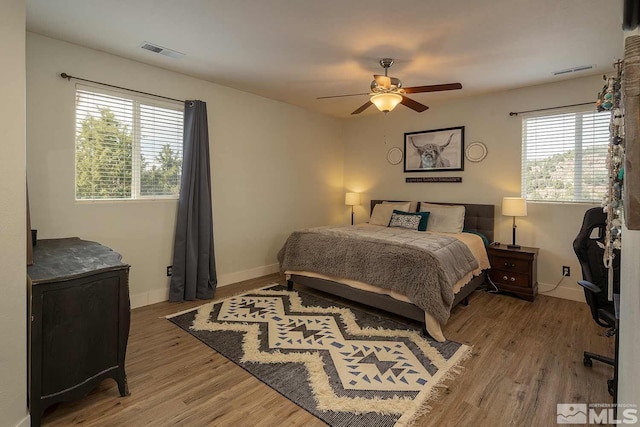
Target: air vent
{"x": 161, "y": 50}
{"x": 573, "y": 70}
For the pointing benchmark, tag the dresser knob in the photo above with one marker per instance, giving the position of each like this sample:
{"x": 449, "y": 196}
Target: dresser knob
{"x": 513, "y": 279}
{"x": 505, "y": 278}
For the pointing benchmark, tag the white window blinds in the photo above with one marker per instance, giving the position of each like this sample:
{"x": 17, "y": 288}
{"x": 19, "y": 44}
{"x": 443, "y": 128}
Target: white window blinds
{"x": 127, "y": 146}
{"x": 564, "y": 155}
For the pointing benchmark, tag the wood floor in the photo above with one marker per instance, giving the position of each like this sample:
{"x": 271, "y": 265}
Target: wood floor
{"x": 527, "y": 357}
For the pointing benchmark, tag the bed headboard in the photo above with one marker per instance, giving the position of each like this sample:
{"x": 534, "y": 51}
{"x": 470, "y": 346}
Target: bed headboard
{"x": 478, "y": 218}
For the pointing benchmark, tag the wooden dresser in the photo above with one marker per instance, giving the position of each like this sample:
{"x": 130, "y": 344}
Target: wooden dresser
{"x": 79, "y": 311}
{"x": 514, "y": 270}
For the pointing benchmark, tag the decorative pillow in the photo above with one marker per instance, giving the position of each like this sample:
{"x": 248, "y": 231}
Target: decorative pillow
{"x": 443, "y": 218}
{"x": 424, "y": 218}
{"x": 413, "y": 206}
{"x": 405, "y": 220}
{"x": 381, "y": 214}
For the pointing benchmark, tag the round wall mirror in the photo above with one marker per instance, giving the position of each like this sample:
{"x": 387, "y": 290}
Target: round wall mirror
{"x": 475, "y": 152}
{"x": 394, "y": 156}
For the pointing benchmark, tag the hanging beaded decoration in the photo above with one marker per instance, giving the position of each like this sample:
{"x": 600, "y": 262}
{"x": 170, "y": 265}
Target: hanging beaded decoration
{"x": 610, "y": 100}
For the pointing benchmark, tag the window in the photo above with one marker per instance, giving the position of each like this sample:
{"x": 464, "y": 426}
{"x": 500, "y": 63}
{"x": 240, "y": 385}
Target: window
{"x": 127, "y": 146}
{"x": 564, "y": 156}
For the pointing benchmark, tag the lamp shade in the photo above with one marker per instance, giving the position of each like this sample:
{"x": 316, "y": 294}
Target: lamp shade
{"x": 386, "y": 101}
{"x": 514, "y": 206}
{"x": 352, "y": 199}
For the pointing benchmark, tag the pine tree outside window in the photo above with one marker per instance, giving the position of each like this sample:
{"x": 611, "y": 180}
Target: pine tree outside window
{"x": 127, "y": 146}
{"x": 564, "y": 156}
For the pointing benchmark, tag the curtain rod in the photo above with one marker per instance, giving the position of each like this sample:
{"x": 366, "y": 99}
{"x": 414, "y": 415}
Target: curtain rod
{"x": 69, "y": 77}
{"x": 550, "y": 108}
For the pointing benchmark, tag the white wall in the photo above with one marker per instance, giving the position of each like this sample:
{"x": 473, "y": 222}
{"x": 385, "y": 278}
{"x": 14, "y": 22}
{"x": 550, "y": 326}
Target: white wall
{"x": 13, "y": 318}
{"x": 551, "y": 227}
{"x": 629, "y": 351}
{"x": 275, "y": 168}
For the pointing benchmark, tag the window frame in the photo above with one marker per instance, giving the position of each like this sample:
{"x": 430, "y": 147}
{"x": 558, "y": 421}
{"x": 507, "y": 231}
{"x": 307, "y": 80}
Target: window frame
{"x": 136, "y": 145}
{"x": 579, "y": 112}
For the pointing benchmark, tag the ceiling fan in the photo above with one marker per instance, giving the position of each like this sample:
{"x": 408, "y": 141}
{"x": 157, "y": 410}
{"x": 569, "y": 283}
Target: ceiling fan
{"x": 387, "y": 92}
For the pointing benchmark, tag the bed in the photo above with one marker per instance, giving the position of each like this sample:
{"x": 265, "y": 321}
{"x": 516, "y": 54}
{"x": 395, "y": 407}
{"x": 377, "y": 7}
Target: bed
{"x": 421, "y": 303}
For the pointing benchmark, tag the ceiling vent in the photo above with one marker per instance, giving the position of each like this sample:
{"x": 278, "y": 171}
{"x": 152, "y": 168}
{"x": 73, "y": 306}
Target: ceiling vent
{"x": 161, "y": 50}
{"x": 573, "y": 70}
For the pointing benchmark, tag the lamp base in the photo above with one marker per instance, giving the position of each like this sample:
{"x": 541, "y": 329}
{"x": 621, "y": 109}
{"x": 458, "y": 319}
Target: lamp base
{"x": 514, "y": 246}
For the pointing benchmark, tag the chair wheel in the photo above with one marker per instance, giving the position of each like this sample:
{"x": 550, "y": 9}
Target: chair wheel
{"x": 610, "y": 387}
{"x": 587, "y": 362}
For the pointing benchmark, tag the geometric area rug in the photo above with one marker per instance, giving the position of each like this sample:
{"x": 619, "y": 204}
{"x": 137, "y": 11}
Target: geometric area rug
{"x": 346, "y": 365}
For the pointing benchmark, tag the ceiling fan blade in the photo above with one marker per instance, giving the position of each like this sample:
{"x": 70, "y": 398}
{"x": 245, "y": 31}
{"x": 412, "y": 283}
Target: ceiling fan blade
{"x": 340, "y": 96}
{"x": 363, "y": 107}
{"x": 383, "y": 81}
{"x": 414, "y": 105}
{"x": 433, "y": 88}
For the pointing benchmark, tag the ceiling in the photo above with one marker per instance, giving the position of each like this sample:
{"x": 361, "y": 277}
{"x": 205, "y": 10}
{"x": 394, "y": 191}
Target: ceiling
{"x": 297, "y": 50}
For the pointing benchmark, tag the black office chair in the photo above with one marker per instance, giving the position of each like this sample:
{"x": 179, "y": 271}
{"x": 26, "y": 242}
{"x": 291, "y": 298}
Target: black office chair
{"x": 595, "y": 278}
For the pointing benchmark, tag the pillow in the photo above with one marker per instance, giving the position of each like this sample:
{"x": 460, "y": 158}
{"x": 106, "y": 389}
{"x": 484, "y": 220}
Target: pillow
{"x": 443, "y": 218}
{"x": 484, "y": 238}
{"x": 381, "y": 214}
{"x": 413, "y": 206}
{"x": 405, "y": 220}
{"x": 424, "y": 218}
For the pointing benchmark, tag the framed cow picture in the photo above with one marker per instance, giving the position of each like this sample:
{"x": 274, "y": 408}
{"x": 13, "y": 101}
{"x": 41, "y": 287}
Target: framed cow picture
{"x": 434, "y": 150}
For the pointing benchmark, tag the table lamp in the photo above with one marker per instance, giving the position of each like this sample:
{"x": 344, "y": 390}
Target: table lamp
{"x": 352, "y": 199}
{"x": 514, "y": 206}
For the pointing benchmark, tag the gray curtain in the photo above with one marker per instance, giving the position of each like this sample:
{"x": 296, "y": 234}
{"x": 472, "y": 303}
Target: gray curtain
{"x": 194, "y": 267}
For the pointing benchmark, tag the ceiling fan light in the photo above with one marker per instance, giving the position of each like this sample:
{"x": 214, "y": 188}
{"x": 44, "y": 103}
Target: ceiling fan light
{"x": 386, "y": 101}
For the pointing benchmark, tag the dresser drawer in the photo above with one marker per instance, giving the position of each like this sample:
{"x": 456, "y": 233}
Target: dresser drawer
{"x": 509, "y": 278}
{"x": 510, "y": 264}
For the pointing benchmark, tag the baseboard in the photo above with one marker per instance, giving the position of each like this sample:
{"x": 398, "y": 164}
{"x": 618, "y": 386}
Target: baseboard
{"x": 25, "y": 422}
{"x": 148, "y": 298}
{"x": 160, "y": 295}
{"x": 252, "y": 273}
{"x": 564, "y": 292}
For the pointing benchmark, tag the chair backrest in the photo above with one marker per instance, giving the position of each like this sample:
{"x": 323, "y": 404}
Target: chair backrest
{"x": 590, "y": 255}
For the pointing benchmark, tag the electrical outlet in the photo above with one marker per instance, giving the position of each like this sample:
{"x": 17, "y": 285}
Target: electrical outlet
{"x": 169, "y": 270}
{"x": 566, "y": 270}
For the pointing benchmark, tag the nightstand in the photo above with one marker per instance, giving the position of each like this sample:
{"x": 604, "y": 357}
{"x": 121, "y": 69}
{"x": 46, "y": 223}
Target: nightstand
{"x": 515, "y": 270}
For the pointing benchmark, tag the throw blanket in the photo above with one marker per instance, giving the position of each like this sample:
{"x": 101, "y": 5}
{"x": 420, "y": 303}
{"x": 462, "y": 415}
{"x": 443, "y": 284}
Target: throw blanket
{"x": 421, "y": 265}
